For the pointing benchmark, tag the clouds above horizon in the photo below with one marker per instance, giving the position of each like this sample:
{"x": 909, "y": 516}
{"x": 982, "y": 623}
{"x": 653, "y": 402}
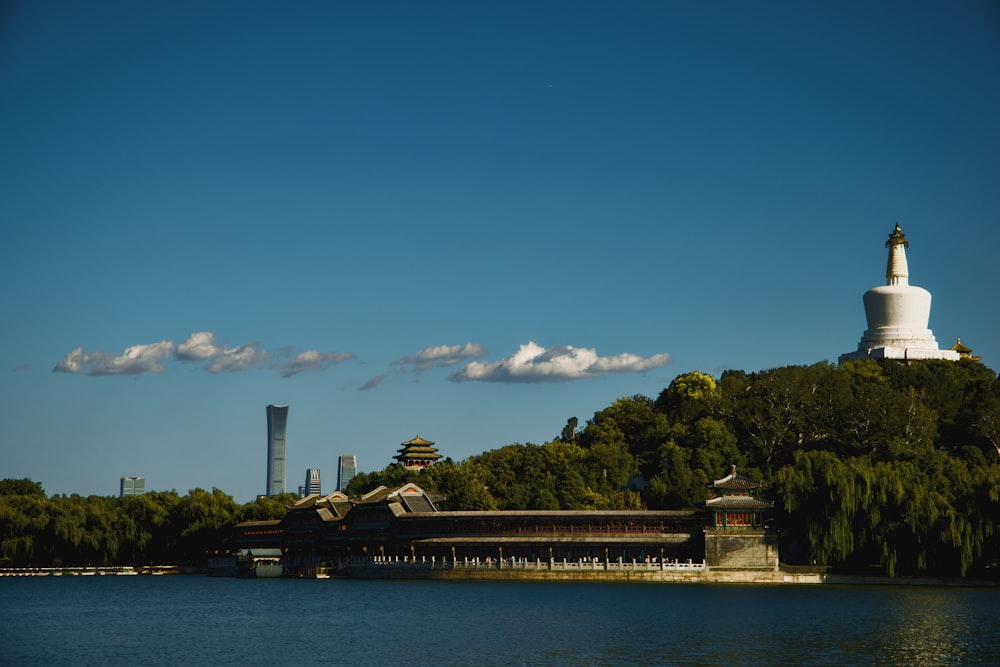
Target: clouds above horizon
{"x": 311, "y": 360}
{"x": 440, "y": 356}
{"x": 533, "y": 363}
{"x": 135, "y": 360}
{"x": 201, "y": 347}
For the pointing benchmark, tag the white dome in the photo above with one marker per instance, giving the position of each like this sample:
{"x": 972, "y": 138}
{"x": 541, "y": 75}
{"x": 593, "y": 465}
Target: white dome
{"x": 897, "y": 317}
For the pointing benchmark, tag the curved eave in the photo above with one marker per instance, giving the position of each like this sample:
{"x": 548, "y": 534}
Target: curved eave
{"x": 735, "y": 482}
{"x": 738, "y": 503}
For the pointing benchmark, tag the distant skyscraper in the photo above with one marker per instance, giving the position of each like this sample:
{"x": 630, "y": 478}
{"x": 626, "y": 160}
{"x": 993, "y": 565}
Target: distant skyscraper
{"x": 312, "y": 482}
{"x": 347, "y": 468}
{"x": 277, "y": 425}
{"x": 132, "y": 486}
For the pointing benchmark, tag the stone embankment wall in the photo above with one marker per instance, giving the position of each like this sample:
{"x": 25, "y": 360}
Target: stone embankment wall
{"x": 734, "y": 548}
{"x": 637, "y": 574}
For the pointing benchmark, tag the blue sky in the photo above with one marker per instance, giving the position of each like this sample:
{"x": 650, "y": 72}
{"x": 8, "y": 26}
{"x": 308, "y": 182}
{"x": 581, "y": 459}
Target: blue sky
{"x": 470, "y": 221}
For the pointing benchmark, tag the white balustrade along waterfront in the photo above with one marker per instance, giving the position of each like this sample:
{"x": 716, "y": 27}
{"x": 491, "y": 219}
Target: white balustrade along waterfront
{"x": 69, "y": 571}
{"x": 583, "y": 564}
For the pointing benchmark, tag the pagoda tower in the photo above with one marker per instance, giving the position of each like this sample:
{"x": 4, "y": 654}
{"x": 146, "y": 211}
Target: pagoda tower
{"x": 897, "y": 315}
{"x": 417, "y": 454}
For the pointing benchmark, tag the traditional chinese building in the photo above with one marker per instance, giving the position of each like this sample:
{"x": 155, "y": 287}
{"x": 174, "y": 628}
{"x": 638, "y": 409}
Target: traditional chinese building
{"x": 736, "y": 536}
{"x": 417, "y": 454}
{"x": 964, "y": 352}
{"x": 403, "y": 528}
{"x": 331, "y": 533}
{"x": 734, "y": 503}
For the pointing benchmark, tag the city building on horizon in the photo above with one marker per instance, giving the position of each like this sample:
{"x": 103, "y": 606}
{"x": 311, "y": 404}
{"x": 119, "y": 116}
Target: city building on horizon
{"x": 277, "y": 426}
{"x": 132, "y": 486}
{"x": 347, "y": 468}
{"x": 312, "y": 483}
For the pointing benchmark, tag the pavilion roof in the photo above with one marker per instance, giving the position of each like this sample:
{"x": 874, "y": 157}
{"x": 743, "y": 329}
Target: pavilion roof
{"x": 417, "y": 441}
{"x": 960, "y": 348}
{"x": 735, "y": 482}
{"x": 738, "y": 503}
{"x": 417, "y": 454}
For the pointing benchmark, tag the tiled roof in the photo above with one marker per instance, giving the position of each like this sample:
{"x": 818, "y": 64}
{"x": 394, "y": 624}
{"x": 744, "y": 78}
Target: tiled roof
{"x": 308, "y": 501}
{"x": 735, "y": 482}
{"x": 417, "y": 503}
{"x": 412, "y": 454}
{"x": 960, "y": 348}
{"x": 738, "y": 503}
{"x": 375, "y": 495}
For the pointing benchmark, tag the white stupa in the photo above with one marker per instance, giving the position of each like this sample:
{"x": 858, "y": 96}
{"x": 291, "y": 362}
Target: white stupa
{"x": 897, "y": 315}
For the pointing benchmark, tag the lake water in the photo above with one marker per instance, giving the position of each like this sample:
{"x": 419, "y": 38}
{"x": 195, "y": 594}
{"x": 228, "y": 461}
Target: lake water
{"x": 193, "y": 620}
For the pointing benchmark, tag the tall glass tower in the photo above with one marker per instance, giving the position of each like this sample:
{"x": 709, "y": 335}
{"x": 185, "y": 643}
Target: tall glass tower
{"x": 347, "y": 468}
{"x": 312, "y": 482}
{"x": 277, "y": 424}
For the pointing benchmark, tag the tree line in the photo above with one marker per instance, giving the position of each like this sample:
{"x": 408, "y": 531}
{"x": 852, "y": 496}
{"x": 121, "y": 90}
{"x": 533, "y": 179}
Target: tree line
{"x": 887, "y": 468}
{"x": 159, "y": 527}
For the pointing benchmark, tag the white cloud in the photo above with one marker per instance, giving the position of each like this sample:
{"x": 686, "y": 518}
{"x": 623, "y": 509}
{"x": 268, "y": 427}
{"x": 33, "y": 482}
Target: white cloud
{"x": 232, "y": 359}
{"x": 135, "y": 360}
{"x": 311, "y": 360}
{"x": 74, "y": 362}
{"x": 200, "y": 346}
{"x": 533, "y": 363}
{"x": 439, "y": 356}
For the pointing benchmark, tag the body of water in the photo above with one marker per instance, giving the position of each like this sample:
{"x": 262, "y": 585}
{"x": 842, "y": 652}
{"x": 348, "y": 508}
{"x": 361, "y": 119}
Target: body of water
{"x": 193, "y": 620}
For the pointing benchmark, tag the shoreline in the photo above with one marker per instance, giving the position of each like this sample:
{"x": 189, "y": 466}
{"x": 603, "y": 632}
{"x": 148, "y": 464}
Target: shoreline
{"x": 626, "y": 574}
{"x": 101, "y": 571}
{"x": 556, "y": 572}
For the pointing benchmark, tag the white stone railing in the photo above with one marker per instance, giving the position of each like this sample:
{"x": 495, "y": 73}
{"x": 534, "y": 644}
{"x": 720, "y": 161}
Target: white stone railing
{"x": 581, "y": 565}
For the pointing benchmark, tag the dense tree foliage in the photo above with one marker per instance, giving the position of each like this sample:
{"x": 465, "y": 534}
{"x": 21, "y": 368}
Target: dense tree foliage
{"x": 156, "y": 527}
{"x": 892, "y": 468}
{"x": 20, "y": 487}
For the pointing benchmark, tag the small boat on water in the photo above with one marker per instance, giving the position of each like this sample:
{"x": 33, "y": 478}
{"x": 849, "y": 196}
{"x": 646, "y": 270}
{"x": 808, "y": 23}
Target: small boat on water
{"x": 267, "y": 568}
{"x": 259, "y": 564}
